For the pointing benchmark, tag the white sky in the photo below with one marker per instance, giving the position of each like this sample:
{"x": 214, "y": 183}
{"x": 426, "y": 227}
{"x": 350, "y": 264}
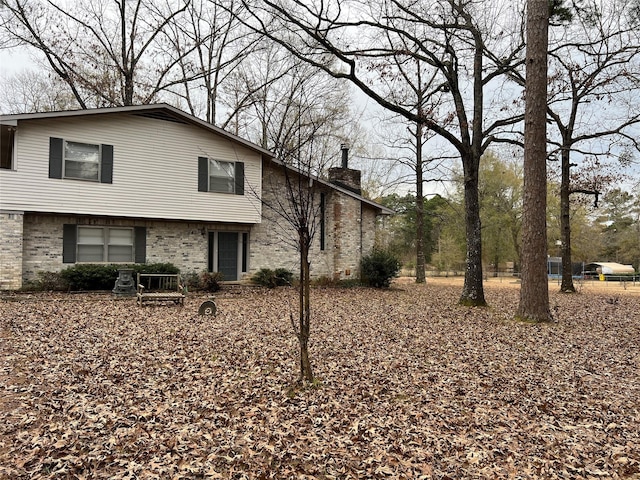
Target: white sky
{"x": 14, "y": 60}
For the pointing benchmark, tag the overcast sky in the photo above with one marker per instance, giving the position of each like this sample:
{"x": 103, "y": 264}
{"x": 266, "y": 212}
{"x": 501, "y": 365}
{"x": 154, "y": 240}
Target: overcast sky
{"x": 14, "y": 60}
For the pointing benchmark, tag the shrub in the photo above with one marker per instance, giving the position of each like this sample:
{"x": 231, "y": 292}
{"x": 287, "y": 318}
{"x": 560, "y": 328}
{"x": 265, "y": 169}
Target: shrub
{"x": 151, "y": 268}
{"x": 273, "y": 278}
{"x": 46, "y": 281}
{"x": 90, "y": 276}
{"x": 97, "y": 276}
{"x": 378, "y": 268}
{"x": 210, "y": 281}
{"x": 283, "y": 277}
{"x": 192, "y": 281}
{"x": 52, "y": 281}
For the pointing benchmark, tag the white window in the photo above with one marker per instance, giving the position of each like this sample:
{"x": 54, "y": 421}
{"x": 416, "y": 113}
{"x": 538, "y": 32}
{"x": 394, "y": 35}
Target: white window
{"x": 82, "y": 161}
{"x": 222, "y": 177}
{"x": 103, "y": 244}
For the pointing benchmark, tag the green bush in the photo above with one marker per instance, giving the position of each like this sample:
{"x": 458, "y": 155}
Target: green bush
{"x": 378, "y": 268}
{"x": 96, "y": 276}
{"x": 283, "y": 277}
{"x": 151, "y": 268}
{"x": 90, "y": 276}
{"x": 273, "y": 278}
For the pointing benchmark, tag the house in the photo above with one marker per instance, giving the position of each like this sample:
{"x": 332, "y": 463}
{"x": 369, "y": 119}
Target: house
{"x": 154, "y": 184}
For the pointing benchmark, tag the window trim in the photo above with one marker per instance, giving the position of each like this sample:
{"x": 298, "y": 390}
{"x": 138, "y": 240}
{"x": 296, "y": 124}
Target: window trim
{"x": 65, "y": 142}
{"x": 229, "y": 178}
{"x": 204, "y": 176}
{"x": 70, "y": 241}
{"x": 105, "y": 244}
{"x": 57, "y": 161}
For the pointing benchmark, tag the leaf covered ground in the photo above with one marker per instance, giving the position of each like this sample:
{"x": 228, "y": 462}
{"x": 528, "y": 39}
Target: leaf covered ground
{"x": 410, "y": 385}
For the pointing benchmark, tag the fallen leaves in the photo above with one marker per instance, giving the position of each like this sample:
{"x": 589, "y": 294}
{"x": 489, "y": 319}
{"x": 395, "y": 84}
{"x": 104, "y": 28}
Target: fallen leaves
{"x": 409, "y": 386}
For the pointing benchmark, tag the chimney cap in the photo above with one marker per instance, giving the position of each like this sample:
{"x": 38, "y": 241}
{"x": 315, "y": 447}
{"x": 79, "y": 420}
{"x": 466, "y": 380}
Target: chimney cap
{"x": 345, "y": 155}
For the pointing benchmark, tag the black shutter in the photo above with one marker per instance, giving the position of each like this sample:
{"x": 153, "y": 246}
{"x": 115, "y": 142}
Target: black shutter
{"x": 239, "y": 178}
{"x": 203, "y": 174}
{"x": 323, "y": 219}
{"x": 55, "y": 157}
{"x": 140, "y": 244}
{"x": 106, "y": 164}
{"x": 69, "y": 241}
{"x": 210, "y": 251}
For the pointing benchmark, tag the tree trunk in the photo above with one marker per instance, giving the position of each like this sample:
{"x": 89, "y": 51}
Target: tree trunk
{"x": 473, "y": 290}
{"x": 565, "y": 225}
{"x": 534, "y": 292}
{"x": 420, "y": 267}
{"x": 306, "y": 374}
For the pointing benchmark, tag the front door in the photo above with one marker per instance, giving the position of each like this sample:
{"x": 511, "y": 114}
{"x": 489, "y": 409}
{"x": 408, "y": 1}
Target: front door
{"x": 228, "y": 255}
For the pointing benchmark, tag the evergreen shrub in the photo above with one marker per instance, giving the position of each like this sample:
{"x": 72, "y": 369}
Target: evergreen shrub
{"x": 97, "y": 276}
{"x": 273, "y": 278}
{"x": 378, "y": 268}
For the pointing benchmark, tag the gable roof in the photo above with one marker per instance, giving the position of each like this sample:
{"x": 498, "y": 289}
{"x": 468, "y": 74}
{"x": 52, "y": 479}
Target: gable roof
{"x": 164, "y": 111}
{"x": 161, "y": 111}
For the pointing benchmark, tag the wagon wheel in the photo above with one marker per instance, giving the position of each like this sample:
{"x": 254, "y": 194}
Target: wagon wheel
{"x": 207, "y": 308}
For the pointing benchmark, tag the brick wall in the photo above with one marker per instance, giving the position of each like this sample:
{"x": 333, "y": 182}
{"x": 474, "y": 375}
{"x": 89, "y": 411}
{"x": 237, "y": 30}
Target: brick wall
{"x": 33, "y": 242}
{"x": 370, "y": 228}
{"x": 350, "y": 230}
{"x": 42, "y": 251}
{"x": 347, "y": 235}
{"x": 11, "y": 228}
{"x": 185, "y": 244}
{"x": 273, "y": 242}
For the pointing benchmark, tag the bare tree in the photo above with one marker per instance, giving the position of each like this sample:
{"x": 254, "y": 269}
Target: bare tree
{"x": 466, "y": 51}
{"x": 293, "y": 197}
{"x": 302, "y": 118}
{"x": 210, "y": 44}
{"x": 416, "y": 165}
{"x": 534, "y": 292}
{"x": 32, "y": 91}
{"x": 418, "y": 90}
{"x": 270, "y": 113}
{"x": 595, "y": 67}
{"x": 107, "y": 52}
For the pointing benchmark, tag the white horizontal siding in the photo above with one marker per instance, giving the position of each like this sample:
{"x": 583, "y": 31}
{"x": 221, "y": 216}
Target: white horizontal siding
{"x": 155, "y": 171}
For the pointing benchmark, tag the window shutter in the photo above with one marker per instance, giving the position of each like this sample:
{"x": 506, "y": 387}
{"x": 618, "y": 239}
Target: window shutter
{"x": 323, "y": 219}
{"x": 211, "y": 249}
{"x": 69, "y": 240}
{"x": 203, "y": 174}
{"x": 239, "y": 178}
{"x": 106, "y": 164}
{"x": 55, "y": 157}
{"x": 140, "y": 244}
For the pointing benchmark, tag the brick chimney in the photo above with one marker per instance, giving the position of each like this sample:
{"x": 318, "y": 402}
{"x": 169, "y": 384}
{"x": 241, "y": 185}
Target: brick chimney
{"x": 344, "y": 176}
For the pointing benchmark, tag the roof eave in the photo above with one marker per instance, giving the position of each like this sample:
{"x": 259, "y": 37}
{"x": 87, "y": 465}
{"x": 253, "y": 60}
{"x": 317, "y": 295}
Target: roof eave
{"x": 383, "y": 210}
{"x": 14, "y": 118}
